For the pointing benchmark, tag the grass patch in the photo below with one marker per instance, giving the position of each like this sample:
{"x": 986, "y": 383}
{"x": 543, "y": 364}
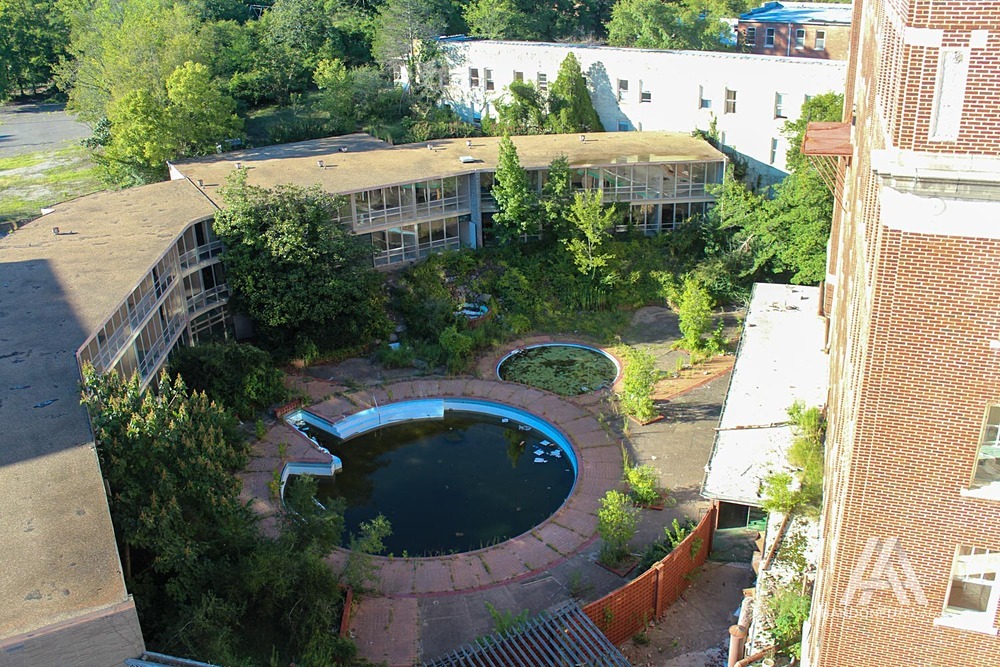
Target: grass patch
{"x": 43, "y": 178}
{"x": 260, "y": 123}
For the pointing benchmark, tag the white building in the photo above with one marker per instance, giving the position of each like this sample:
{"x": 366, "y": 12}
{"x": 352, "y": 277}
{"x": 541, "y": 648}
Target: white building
{"x": 749, "y": 96}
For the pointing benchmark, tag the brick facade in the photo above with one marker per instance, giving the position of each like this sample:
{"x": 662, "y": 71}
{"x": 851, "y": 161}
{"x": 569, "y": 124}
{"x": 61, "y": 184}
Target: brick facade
{"x": 833, "y": 44}
{"x": 912, "y": 290}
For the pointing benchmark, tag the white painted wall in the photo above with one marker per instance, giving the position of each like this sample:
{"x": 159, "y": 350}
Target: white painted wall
{"x": 676, "y": 81}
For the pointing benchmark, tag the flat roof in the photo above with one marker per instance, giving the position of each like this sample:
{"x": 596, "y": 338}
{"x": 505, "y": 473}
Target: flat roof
{"x": 780, "y": 360}
{"x": 801, "y": 12}
{"x": 55, "y": 290}
{"x": 369, "y": 163}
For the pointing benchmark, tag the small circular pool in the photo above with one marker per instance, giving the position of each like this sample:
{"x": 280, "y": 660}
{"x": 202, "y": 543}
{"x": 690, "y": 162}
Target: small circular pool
{"x": 460, "y": 482}
{"x": 563, "y": 368}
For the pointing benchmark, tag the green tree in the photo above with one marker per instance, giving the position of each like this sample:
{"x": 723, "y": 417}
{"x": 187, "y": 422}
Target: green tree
{"x": 592, "y": 223}
{"x": 338, "y": 87}
{"x": 297, "y": 273}
{"x": 695, "y": 314}
{"x": 404, "y": 33}
{"x": 517, "y": 202}
{"x": 570, "y": 108}
{"x": 828, "y": 107}
{"x": 32, "y": 38}
{"x": 237, "y": 375}
{"x": 557, "y": 198}
{"x": 520, "y": 111}
{"x": 682, "y": 24}
{"x": 617, "y": 521}
{"x": 499, "y": 19}
{"x": 147, "y": 128}
{"x": 116, "y": 48}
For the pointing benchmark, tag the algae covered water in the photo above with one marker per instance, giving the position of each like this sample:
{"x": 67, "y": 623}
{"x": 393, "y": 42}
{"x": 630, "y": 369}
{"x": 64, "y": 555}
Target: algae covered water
{"x": 448, "y": 485}
{"x": 567, "y": 370}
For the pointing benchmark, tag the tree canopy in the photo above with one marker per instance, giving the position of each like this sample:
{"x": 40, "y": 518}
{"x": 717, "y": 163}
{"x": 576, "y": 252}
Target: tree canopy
{"x": 296, "y": 272}
{"x": 517, "y": 202}
{"x": 570, "y": 108}
{"x": 33, "y": 37}
{"x": 682, "y": 24}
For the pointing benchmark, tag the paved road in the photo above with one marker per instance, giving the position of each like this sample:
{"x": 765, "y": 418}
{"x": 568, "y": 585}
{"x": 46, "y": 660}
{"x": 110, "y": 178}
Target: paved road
{"x": 25, "y": 128}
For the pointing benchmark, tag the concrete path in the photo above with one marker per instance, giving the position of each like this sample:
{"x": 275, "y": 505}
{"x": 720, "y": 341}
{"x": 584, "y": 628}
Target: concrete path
{"x": 25, "y": 128}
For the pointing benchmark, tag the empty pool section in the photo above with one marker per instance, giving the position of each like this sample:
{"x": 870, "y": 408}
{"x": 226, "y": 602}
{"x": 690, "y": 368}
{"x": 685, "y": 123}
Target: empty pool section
{"x": 451, "y": 475}
{"x": 567, "y": 369}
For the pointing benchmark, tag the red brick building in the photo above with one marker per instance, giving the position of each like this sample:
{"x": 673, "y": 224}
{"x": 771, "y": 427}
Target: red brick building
{"x": 908, "y": 572}
{"x": 797, "y": 29}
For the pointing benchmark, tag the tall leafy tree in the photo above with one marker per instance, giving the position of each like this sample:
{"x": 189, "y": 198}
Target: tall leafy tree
{"x": 190, "y": 116}
{"x": 404, "y": 33}
{"x": 520, "y": 111}
{"x": 570, "y": 107}
{"x": 117, "y": 48}
{"x": 592, "y": 225}
{"x": 517, "y": 202}
{"x": 557, "y": 197}
{"x": 499, "y": 19}
{"x": 297, "y": 273}
{"x": 682, "y": 24}
{"x": 32, "y": 38}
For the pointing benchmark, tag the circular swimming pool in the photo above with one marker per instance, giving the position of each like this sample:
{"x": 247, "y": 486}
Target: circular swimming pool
{"x": 462, "y": 478}
{"x": 567, "y": 369}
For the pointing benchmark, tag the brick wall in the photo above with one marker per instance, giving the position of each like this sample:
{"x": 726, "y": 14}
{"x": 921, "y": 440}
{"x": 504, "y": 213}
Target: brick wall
{"x": 912, "y": 371}
{"x": 836, "y": 48}
{"x": 624, "y": 612}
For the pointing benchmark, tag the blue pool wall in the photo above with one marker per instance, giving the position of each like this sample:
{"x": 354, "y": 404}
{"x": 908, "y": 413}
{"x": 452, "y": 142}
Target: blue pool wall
{"x": 431, "y": 408}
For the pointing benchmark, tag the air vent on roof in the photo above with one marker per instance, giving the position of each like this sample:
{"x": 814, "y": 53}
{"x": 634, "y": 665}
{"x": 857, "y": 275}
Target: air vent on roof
{"x": 466, "y": 159}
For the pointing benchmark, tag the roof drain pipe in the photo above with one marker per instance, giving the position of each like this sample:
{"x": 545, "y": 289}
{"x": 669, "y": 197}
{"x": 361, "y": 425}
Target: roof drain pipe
{"x": 759, "y": 655}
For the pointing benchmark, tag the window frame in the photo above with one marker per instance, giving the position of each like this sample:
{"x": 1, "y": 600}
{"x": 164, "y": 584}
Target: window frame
{"x": 800, "y": 38}
{"x": 622, "y": 89}
{"x": 474, "y": 77}
{"x": 769, "y": 38}
{"x": 964, "y": 618}
{"x": 542, "y": 80}
{"x": 780, "y": 101}
{"x": 774, "y": 150}
{"x": 519, "y": 76}
{"x": 819, "y": 40}
{"x": 750, "y": 37}
{"x": 730, "y": 101}
{"x": 989, "y": 438}
{"x": 488, "y": 83}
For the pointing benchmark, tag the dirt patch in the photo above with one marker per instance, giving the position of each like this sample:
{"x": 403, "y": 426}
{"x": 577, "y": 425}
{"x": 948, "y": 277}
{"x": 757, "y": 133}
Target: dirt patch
{"x": 690, "y": 378}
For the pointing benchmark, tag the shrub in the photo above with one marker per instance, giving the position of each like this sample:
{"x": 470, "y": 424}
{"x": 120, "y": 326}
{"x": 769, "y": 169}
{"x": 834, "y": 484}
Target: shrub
{"x": 617, "y": 521}
{"x": 239, "y": 376}
{"x": 637, "y": 385}
{"x": 361, "y": 569}
{"x": 695, "y": 313}
{"x": 789, "y": 609}
{"x": 660, "y": 549}
{"x": 643, "y": 484}
{"x": 401, "y": 357}
{"x": 457, "y": 347}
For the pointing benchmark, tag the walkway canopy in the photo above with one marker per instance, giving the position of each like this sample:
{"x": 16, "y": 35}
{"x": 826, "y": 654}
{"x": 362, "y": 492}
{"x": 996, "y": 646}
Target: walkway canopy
{"x": 562, "y": 637}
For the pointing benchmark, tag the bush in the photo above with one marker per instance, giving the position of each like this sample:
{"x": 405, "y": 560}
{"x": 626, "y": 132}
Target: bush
{"x": 695, "y": 312}
{"x": 457, "y": 347}
{"x": 672, "y": 536}
{"x": 788, "y": 609}
{"x": 361, "y": 569}
{"x": 401, "y": 357}
{"x": 617, "y": 521}
{"x": 237, "y": 376}
{"x": 643, "y": 484}
{"x": 640, "y": 375}
{"x": 424, "y": 301}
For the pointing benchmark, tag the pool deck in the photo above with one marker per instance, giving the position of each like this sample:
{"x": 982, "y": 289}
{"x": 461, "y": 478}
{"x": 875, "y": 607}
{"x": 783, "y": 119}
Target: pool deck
{"x": 424, "y": 607}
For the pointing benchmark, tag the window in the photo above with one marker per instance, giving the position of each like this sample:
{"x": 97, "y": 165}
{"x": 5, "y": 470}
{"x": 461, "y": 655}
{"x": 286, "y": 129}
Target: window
{"x": 473, "y": 77}
{"x": 703, "y": 102}
{"x": 488, "y": 75}
{"x": 988, "y": 461}
{"x": 543, "y": 82}
{"x": 973, "y": 591}
{"x": 518, "y": 76}
{"x": 800, "y": 38}
{"x": 622, "y": 89}
{"x": 751, "y": 38}
{"x": 644, "y": 95}
{"x": 730, "y": 101}
{"x": 779, "y": 105}
{"x": 774, "y": 150}
{"x": 769, "y": 37}
{"x": 722, "y": 138}
{"x": 820, "y": 40}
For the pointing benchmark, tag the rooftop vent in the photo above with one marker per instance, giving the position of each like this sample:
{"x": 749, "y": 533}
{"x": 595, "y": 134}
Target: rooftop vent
{"x": 466, "y": 159}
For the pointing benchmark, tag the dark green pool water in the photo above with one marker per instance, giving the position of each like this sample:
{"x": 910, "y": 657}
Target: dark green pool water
{"x": 563, "y": 369}
{"x": 452, "y": 485}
